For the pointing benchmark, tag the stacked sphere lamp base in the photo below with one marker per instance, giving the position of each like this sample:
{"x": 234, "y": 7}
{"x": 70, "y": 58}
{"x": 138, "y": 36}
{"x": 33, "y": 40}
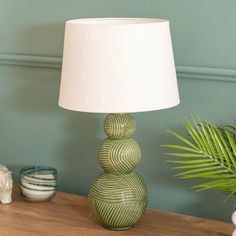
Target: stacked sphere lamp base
{"x": 118, "y": 196}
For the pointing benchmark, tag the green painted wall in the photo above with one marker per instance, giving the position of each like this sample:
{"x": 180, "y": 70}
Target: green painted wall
{"x": 34, "y": 130}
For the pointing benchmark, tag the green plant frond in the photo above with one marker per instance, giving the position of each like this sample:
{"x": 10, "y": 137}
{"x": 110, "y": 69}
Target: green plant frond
{"x": 193, "y": 133}
{"x": 231, "y": 127}
{"x": 191, "y": 161}
{"x": 184, "y": 148}
{"x": 198, "y": 134}
{"x": 208, "y": 175}
{"x": 215, "y": 183}
{"x": 232, "y": 145}
{"x": 205, "y": 137}
{"x": 201, "y": 136}
{"x": 187, "y": 154}
{"x": 182, "y": 139}
{"x": 205, "y": 170}
{"x": 195, "y": 166}
{"x": 215, "y": 140}
{"x": 228, "y": 190}
{"x": 209, "y": 153}
{"x": 224, "y": 186}
{"x": 227, "y": 153}
{"x": 213, "y": 147}
{"x": 210, "y": 143}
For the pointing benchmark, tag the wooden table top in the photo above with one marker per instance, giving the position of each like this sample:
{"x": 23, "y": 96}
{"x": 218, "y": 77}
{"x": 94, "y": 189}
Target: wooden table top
{"x": 69, "y": 215}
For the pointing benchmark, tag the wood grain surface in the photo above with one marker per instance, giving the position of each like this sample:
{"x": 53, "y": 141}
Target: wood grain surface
{"x": 69, "y": 215}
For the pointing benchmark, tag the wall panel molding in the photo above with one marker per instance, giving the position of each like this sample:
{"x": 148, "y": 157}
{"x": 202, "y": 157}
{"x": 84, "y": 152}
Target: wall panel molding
{"x": 206, "y": 73}
{"x": 183, "y": 72}
{"x": 30, "y": 61}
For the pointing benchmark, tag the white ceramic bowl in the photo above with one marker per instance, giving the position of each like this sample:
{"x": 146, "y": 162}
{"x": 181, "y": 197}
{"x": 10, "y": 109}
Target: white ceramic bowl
{"x": 38, "y": 183}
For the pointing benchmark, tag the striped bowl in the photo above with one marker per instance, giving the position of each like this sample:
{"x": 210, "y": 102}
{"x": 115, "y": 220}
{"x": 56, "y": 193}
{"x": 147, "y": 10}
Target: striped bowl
{"x": 38, "y": 183}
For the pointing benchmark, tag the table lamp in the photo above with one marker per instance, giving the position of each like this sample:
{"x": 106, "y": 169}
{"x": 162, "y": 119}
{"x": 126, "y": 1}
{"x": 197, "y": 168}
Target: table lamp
{"x": 118, "y": 66}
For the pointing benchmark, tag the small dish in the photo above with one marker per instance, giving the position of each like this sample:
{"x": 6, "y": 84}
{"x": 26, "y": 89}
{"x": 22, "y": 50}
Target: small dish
{"x": 38, "y": 183}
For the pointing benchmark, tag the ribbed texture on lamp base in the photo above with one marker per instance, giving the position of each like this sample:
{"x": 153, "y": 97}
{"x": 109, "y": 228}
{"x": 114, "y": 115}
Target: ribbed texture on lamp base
{"x": 118, "y": 197}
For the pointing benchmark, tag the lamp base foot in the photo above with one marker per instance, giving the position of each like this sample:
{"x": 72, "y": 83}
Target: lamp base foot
{"x": 119, "y": 229}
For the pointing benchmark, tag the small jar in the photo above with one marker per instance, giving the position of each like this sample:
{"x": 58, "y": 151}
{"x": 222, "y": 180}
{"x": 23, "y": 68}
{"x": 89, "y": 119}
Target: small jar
{"x": 38, "y": 183}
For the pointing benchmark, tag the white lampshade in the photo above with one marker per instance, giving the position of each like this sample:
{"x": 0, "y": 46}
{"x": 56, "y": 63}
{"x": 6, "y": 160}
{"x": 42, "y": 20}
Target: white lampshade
{"x": 118, "y": 65}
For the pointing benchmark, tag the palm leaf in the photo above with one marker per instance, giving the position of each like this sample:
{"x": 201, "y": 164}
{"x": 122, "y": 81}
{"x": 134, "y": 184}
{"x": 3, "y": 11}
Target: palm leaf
{"x": 210, "y": 154}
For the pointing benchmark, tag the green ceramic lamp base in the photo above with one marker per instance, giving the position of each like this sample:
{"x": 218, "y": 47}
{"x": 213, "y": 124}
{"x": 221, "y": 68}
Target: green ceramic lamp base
{"x": 118, "y": 197}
